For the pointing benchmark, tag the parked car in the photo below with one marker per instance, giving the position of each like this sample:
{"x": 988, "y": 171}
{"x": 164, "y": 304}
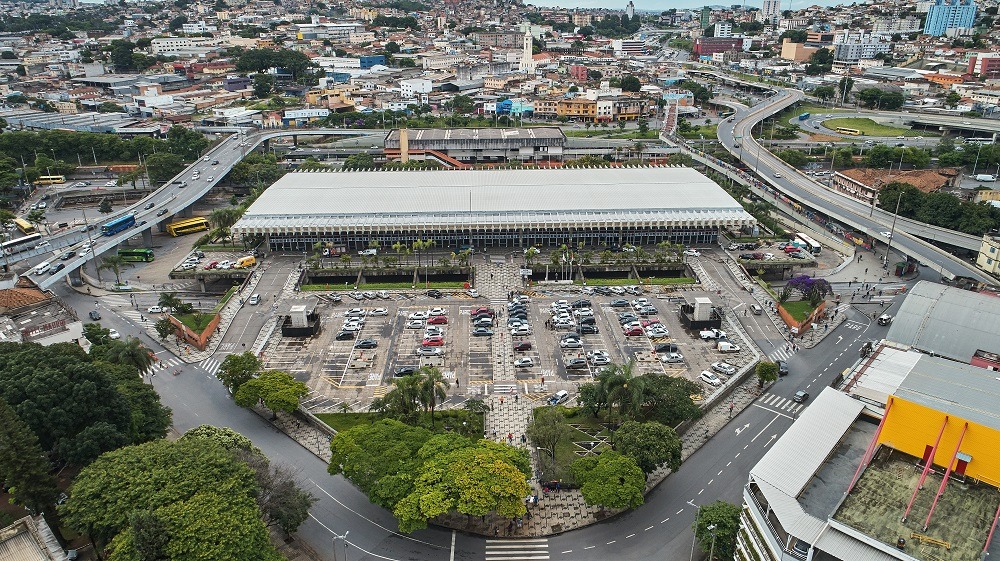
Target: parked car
{"x": 666, "y": 348}
{"x": 434, "y": 293}
{"x": 656, "y": 332}
{"x": 520, "y": 331}
{"x": 712, "y": 334}
{"x": 633, "y": 331}
{"x": 356, "y": 312}
{"x": 526, "y": 362}
{"x": 576, "y": 364}
{"x": 523, "y": 346}
{"x": 437, "y": 320}
{"x": 672, "y": 358}
{"x": 404, "y": 371}
{"x": 415, "y": 324}
{"x": 600, "y": 360}
{"x": 692, "y": 253}
{"x": 585, "y": 329}
{"x": 366, "y": 344}
{"x": 379, "y": 312}
{"x": 710, "y": 378}
{"x": 570, "y": 344}
{"x": 482, "y": 332}
{"x": 433, "y": 341}
{"x": 724, "y": 368}
{"x": 619, "y": 303}
{"x": 727, "y": 347}
{"x": 428, "y": 351}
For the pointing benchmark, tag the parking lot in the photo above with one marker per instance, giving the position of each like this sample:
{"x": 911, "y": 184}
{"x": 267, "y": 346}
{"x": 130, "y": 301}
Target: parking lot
{"x": 398, "y": 324}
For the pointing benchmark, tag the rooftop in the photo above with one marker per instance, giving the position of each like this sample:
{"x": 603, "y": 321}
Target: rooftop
{"x": 947, "y": 321}
{"x": 620, "y": 197}
{"x": 961, "y": 390}
{"x": 925, "y": 180}
{"x": 479, "y": 134}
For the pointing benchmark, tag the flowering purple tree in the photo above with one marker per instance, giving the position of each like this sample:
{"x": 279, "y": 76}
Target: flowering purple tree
{"x": 813, "y": 289}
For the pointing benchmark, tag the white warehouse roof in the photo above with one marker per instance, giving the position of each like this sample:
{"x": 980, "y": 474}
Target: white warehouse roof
{"x": 658, "y": 197}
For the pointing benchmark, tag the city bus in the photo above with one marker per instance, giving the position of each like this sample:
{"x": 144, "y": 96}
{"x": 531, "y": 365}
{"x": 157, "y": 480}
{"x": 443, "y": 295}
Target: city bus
{"x": 138, "y": 254}
{"x": 20, "y": 244}
{"x": 814, "y": 247}
{"x": 118, "y": 224}
{"x": 187, "y": 226}
{"x": 50, "y": 179}
{"x": 803, "y": 116}
{"x": 847, "y": 131}
{"x": 24, "y": 226}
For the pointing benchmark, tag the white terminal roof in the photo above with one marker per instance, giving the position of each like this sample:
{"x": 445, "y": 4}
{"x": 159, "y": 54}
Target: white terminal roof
{"x": 658, "y": 197}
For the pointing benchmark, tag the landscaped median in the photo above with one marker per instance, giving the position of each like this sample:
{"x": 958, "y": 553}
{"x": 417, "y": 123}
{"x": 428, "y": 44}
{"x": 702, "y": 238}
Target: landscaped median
{"x": 869, "y": 127}
{"x": 196, "y": 328}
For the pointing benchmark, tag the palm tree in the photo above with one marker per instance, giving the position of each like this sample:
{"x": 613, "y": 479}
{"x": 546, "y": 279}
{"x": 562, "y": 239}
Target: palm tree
{"x": 225, "y": 217}
{"x": 132, "y": 352}
{"x": 623, "y": 389}
{"x": 114, "y": 264}
{"x": 169, "y": 300}
{"x": 432, "y": 389}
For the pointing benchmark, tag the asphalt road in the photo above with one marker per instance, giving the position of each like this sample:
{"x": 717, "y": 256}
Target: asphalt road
{"x": 850, "y": 211}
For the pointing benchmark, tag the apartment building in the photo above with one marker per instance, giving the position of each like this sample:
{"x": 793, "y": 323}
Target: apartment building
{"x": 944, "y": 15}
{"x": 852, "y": 47}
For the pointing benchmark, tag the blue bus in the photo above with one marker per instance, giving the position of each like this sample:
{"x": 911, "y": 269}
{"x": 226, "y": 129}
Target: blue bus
{"x": 803, "y": 116}
{"x": 118, "y": 224}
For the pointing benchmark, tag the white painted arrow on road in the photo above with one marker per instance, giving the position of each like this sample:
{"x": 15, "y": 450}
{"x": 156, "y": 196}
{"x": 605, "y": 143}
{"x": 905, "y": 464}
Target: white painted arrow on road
{"x": 741, "y": 429}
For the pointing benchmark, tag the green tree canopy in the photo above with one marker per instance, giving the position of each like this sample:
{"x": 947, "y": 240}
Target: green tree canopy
{"x": 274, "y": 389}
{"x": 163, "y": 165}
{"x": 649, "y": 444}
{"x": 238, "y": 369}
{"x": 23, "y": 466}
{"x": 724, "y": 518}
{"x": 767, "y": 372}
{"x": 610, "y": 480}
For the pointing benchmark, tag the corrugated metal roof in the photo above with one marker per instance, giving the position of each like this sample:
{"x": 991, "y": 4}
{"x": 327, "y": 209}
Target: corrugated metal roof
{"x": 842, "y": 546}
{"x": 947, "y": 321}
{"x": 799, "y": 453}
{"x": 616, "y": 198}
{"x": 962, "y": 390}
{"x": 794, "y": 519}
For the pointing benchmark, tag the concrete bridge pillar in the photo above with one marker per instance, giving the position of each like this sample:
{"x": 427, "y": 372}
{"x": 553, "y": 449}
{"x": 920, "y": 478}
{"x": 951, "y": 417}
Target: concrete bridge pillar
{"x": 147, "y": 237}
{"x": 75, "y": 278}
{"x": 267, "y": 145}
{"x": 201, "y": 284}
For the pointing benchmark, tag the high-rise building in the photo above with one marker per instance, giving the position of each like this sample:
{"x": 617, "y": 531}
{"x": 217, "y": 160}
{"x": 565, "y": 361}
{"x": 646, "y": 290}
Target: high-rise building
{"x": 771, "y": 10}
{"x": 706, "y": 16}
{"x": 527, "y": 55}
{"x": 723, "y": 29}
{"x": 949, "y": 14}
{"x": 630, "y": 9}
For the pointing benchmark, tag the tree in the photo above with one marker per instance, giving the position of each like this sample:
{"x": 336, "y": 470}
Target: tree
{"x": 263, "y": 84}
{"x": 462, "y": 104}
{"x": 238, "y": 369}
{"x": 36, "y": 216}
{"x": 952, "y": 99}
{"x": 796, "y": 35}
{"x": 825, "y": 92}
{"x": 276, "y": 390}
{"x": 392, "y": 47}
{"x": 610, "y": 480}
{"x": 724, "y": 518}
{"x": 630, "y": 83}
{"x": 650, "y": 445}
{"x": 793, "y": 158}
{"x": 432, "y": 388}
{"x": 202, "y": 496}
{"x": 843, "y": 158}
{"x": 23, "y": 467}
{"x": 113, "y": 263}
{"x": 130, "y": 352}
{"x": 767, "y": 372}
{"x": 163, "y": 165}
{"x": 105, "y": 206}
{"x": 186, "y": 143}
{"x": 225, "y": 217}
{"x": 177, "y": 22}
{"x": 149, "y": 419}
{"x": 359, "y": 161}
{"x": 548, "y": 428}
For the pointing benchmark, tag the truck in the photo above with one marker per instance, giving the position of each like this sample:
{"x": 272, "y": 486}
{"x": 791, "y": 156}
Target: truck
{"x": 727, "y": 347}
{"x": 245, "y": 262}
{"x": 712, "y": 334}
{"x": 985, "y": 177}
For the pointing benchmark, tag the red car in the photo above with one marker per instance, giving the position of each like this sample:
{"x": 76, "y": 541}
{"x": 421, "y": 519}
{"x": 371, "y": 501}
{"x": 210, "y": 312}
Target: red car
{"x": 523, "y": 346}
{"x": 791, "y": 249}
{"x": 433, "y": 342}
{"x": 212, "y": 265}
{"x": 648, "y": 322}
{"x": 633, "y": 331}
{"x": 436, "y": 320}
{"x": 478, "y": 311}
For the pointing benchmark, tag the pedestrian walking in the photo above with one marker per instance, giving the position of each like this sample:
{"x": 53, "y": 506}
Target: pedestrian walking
{"x": 516, "y": 396}
{"x": 501, "y": 401}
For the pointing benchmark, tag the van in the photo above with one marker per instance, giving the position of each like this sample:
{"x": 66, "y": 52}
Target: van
{"x": 245, "y": 262}
{"x": 255, "y": 299}
{"x": 42, "y": 267}
{"x": 757, "y": 310}
{"x": 561, "y": 396}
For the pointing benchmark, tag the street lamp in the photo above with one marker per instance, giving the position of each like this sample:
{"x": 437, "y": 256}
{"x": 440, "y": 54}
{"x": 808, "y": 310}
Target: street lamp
{"x": 892, "y": 230}
{"x": 711, "y": 550}
{"x": 339, "y": 537}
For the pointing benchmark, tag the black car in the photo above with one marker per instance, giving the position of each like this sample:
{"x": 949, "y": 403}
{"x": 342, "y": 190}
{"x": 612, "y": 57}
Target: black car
{"x": 782, "y": 368}
{"x": 149, "y": 205}
{"x": 56, "y": 268}
{"x": 584, "y": 328}
{"x": 666, "y": 348}
{"x": 746, "y": 256}
{"x": 519, "y": 315}
{"x": 588, "y": 321}
{"x": 345, "y": 335}
{"x": 515, "y": 309}
{"x": 215, "y": 162}
{"x": 603, "y": 291}
{"x": 366, "y": 344}
{"x": 94, "y": 315}
{"x": 434, "y": 293}
{"x": 404, "y": 371}
{"x": 161, "y": 212}
{"x": 523, "y": 346}
{"x": 800, "y": 396}
{"x": 627, "y": 318}
{"x": 578, "y": 304}
{"x": 576, "y": 364}
{"x": 620, "y": 303}
{"x": 68, "y": 255}
{"x": 648, "y": 311}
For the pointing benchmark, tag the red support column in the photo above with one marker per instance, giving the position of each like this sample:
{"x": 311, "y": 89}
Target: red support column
{"x": 870, "y": 451}
{"x": 993, "y": 528}
{"x": 944, "y": 480}
{"x": 927, "y": 468}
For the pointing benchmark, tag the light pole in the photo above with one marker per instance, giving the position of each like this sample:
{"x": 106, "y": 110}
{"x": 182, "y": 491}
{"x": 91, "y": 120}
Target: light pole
{"x": 711, "y": 550}
{"x": 339, "y": 537}
{"x": 892, "y": 231}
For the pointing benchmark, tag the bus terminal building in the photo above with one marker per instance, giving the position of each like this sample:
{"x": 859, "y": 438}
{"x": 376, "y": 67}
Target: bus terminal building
{"x": 602, "y": 207}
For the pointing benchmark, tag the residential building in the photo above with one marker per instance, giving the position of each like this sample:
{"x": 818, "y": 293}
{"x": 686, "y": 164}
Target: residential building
{"x": 503, "y": 40}
{"x": 989, "y": 254}
{"x": 628, "y": 47}
{"x": 707, "y": 46}
{"x": 798, "y": 52}
{"x": 582, "y": 19}
{"x": 985, "y": 65}
{"x": 410, "y": 88}
{"x": 822, "y": 37}
{"x": 903, "y": 26}
{"x": 578, "y": 72}
{"x": 723, "y": 29}
{"x": 577, "y": 108}
{"x": 771, "y": 11}
{"x": 949, "y": 14}
{"x": 852, "y": 47}
{"x": 705, "y": 17}
{"x": 29, "y": 314}
{"x": 198, "y": 27}
{"x": 864, "y": 184}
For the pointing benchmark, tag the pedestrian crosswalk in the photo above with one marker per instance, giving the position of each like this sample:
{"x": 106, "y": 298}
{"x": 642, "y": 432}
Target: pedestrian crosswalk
{"x": 779, "y": 403}
{"x": 516, "y": 550}
{"x": 781, "y": 353}
{"x": 212, "y": 364}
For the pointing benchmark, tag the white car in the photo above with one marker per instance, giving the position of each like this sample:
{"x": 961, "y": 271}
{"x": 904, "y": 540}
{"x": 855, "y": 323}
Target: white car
{"x": 155, "y": 310}
{"x": 352, "y": 327}
{"x": 778, "y": 175}
{"x": 520, "y": 331}
{"x": 205, "y": 159}
{"x": 473, "y": 293}
{"x": 419, "y": 315}
{"x": 886, "y": 234}
{"x": 672, "y": 358}
{"x": 724, "y": 368}
{"x": 355, "y": 312}
{"x": 526, "y": 362}
{"x": 692, "y": 253}
{"x": 433, "y": 331}
{"x": 428, "y": 351}
{"x": 640, "y": 302}
{"x": 571, "y": 344}
{"x": 110, "y": 184}
{"x": 710, "y": 378}
{"x": 113, "y": 333}
{"x": 656, "y": 332}
{"x": 438, "y": 312}
{"x": 600, "y": 360}
{"x": 415, "y": 324}
{"x": 379, "y": 312}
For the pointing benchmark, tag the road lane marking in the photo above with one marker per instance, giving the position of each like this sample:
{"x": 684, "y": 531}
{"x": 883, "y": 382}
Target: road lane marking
{"x": 629, "y": 536}
{"x": 648, "y": 529}
{"x": 765, "y": 428}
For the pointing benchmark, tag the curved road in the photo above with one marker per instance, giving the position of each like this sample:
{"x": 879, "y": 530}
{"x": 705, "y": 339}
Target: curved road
{"x": 737, "y": 131}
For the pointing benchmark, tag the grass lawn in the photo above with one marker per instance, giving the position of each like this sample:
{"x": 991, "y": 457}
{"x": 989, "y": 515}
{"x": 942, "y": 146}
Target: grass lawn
{"x": 225, "y": 298}
{"x": 197, "y": 322}
{"x": 869, "y": 127}
{"x": 799, "y": 309}
{"x": 566, "y": 450}
{"x": 386, "y": 286}
{"x": 708, "y": 131}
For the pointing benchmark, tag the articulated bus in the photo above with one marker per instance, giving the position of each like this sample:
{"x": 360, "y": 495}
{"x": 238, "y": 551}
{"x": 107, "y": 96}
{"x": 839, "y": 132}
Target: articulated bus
{"x": 24, "y": 226}
{"x": 20, "y": 244}
{"x": 118, "y": 224}
{"x": 814, "y": 247}
{"x": 847, "y": 131}
{"x": 139, "y": 254}
{"x": 187, "y": 226}
{"x": 50, "y": 179}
